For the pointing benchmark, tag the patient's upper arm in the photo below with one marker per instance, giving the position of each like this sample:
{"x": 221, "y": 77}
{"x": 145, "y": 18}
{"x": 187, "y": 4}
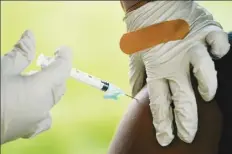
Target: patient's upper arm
{"x": 136, "y": 134}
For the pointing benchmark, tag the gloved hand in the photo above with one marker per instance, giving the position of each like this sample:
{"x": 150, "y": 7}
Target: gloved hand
{"x": 167, "y": 65}
{"x": 27, "y": 100}
{"x": 219, "y": 43}
{"x": 168, "y": 78}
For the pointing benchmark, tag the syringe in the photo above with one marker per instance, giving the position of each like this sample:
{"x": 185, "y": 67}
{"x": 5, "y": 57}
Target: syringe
{"x": 111, "y": 91}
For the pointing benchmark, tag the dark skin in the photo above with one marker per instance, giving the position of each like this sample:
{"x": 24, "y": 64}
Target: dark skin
{"x": 130, "y": 5}
{"x": 136, "y": 134}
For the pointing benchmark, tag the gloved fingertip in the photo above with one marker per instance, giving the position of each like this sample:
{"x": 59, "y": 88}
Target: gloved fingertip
{"x": 187, "y": 135}
{"x": 28, "y": 33}
{"x": 188, "y": 139}
{"x": 57, "y": 69}
{"x": 221, "y": 52}
{"x": 207, "y": 96}
{"x": 164, "y": 140}
{"x": 64, "y": 52}
{"x": 208, "y": 92}
{"x": 206, "y": 75}
{"x": 219, "y": 42}
{"x": 26, "y": 45}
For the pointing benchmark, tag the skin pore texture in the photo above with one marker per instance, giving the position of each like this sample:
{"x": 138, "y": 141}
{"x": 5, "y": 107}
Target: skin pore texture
{"x": 136, "y": 134}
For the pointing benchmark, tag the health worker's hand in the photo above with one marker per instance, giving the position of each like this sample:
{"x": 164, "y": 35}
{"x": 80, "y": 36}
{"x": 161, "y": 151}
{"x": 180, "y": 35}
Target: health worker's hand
{"x": 167, "y": 68}
{"x": 26, "y": 100}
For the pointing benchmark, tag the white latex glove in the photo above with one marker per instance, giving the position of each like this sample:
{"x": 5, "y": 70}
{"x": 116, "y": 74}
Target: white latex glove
{"x": 166, "y": 66}
{"x": 27, "y": 100}
{"x": 168, "y": 80}
{"x": 219, "y": 43}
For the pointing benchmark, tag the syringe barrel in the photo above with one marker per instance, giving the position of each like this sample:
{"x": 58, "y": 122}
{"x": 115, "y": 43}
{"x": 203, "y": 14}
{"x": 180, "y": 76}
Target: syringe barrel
{"x": 44, "y": 61}
{"x": 90, "y": 80}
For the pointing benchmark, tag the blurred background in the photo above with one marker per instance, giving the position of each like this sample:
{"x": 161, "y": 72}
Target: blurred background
{"x": 83, "y": 122}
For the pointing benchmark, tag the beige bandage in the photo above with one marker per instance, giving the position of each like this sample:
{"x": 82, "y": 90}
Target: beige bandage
{"x": 153, "y": 35}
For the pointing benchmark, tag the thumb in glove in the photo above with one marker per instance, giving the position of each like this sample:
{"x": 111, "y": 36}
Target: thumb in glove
{"x": 219, "y": 43}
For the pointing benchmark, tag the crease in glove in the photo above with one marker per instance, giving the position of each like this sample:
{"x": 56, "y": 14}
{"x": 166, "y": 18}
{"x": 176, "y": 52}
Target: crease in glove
{"x": 27, "y": 113}
{"x": 167, "y": 66}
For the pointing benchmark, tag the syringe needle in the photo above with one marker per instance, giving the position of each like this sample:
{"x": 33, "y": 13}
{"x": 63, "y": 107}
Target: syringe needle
{"x": 131, "y": 96}
{"x": 111, "y": 90}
